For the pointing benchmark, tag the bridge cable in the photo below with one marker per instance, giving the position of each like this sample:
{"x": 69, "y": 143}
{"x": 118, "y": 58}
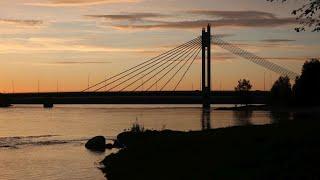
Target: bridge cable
{"x": 254, "y": 58}
{"x": 174, "y": 75}
{"x": 135, "y": 75}
{"x": 265, "y": 64}
{"x": 158, "y": 80}
{"x": 166, "y": 73}
{"x": 157, "y": 61}
{"x": 172, "y": 61}
{"x": 184, "y": 47}
{"x": 184, "y": 74}
{"x": 150, "y": 60}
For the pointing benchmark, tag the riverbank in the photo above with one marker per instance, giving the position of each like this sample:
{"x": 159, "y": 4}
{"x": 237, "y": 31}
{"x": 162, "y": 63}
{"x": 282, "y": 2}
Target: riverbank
{"x": 287, "y": 150}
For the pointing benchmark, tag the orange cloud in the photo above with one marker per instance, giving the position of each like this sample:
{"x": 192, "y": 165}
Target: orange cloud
{"x": 128, "y": 17}
{"x": 17, "y": 26}
{"x": 217, "y": 23}
{"x": 199, "y": 19}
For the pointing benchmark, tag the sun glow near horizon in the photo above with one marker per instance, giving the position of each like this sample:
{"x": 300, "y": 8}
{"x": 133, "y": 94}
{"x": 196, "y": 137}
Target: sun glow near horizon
{"x": 48, "y": 45}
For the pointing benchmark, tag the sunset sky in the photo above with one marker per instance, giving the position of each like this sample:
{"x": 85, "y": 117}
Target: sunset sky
{"x": 66, "y": 41}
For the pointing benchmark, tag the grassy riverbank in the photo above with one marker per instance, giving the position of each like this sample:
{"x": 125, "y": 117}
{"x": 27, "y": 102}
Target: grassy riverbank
{"x": 288, "y": 150}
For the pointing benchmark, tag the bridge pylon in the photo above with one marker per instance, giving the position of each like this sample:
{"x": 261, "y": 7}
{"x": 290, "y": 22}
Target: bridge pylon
{"x": 206, "y": 66}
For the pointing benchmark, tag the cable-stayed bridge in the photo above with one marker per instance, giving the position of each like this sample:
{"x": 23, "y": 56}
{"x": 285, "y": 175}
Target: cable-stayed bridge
{"x": 147, "y": 82}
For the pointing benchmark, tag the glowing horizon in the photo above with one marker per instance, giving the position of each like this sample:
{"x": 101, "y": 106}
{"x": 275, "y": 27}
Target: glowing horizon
{"x": 48, "y": 42}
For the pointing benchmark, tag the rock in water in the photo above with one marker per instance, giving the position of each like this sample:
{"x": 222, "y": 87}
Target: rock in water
{"x": 97, "y": 143}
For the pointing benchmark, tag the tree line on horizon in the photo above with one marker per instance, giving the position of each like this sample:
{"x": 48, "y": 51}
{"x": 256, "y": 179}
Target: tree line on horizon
{"x": 304, "y": 92}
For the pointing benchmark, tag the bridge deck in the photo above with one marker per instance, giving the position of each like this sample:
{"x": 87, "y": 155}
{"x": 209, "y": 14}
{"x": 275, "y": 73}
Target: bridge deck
{"x": 155, "y": 97}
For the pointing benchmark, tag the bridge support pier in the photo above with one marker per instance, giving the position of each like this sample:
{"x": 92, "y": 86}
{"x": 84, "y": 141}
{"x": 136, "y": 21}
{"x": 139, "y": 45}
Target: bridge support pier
{"x": 48, "y": 105}
{"x": 206, "y": 119}
{"x": 206, "y": 67}
{"x": 4, "y": 101}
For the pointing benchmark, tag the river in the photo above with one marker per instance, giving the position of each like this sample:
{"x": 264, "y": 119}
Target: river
{"x": 38, "y": 143}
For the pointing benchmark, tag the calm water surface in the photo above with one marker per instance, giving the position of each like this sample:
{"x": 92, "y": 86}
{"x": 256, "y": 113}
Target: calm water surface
{"x": 37, "y": 143}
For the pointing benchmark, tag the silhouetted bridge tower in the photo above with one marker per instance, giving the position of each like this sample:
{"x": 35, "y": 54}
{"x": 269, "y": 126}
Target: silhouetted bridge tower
{"x": 168, "y": 68}
{"x": 206, "y": 66}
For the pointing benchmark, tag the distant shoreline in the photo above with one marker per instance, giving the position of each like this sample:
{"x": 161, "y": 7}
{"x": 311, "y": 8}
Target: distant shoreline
{"x": 270, "y": 108}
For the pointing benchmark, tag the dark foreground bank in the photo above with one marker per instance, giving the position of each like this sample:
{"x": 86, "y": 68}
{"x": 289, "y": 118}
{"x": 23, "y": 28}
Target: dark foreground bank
{"x": 289, "y": 150}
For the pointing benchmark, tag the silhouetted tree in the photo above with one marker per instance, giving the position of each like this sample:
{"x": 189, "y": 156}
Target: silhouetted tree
{"x": 307, "y": 87}
{"x": 281, "y": 92}
{"x": 243, "y": 87}
{"x": 308, "y": 15}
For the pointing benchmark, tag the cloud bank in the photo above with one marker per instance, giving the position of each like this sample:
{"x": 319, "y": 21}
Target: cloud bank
{"x": 196, "y": 19}
{"x": 20, "y": 22}
{"x": 277, "y": 40}
{"x": 128, "y": 17}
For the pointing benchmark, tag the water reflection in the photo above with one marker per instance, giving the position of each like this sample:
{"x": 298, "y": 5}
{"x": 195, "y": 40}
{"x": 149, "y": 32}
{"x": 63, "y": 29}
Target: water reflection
{"x": 206, "y": 118}
{"x": 211, "y": 118}
{"x": 278, "y": 117}
{"x": 74, "y": 122}
{"x": 243, "y": 117}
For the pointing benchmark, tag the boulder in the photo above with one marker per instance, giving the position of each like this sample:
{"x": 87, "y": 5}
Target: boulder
{"x": 97, "y": 143}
